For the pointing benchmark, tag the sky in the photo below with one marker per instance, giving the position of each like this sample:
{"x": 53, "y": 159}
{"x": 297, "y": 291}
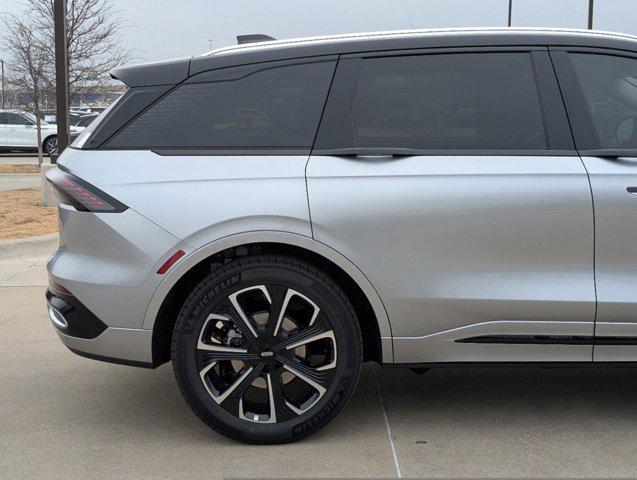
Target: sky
{"x": 162, "y": 29}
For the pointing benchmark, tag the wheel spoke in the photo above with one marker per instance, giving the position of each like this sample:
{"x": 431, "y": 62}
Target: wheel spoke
{"x": 239, "y": 310}
{"x": 314, "y": 338}
{"x": 220, "y": 356}
{"x": 313, "y": 379}
{"x": 286, "y": 301}
{"x": 272, "y": 415}
{"x": 218, "y": 351}
{"x": 310, "y": 375}
{"x": 299, "y": 337}
{"x": 277, "y": 309}
{"x": 284, "y": 410}
{"x": 244, "y": 380}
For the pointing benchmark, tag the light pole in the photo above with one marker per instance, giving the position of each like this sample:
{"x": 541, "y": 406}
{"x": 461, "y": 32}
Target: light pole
{"x": 510, "y": 11}
{"x": 590, "y": 14}
{"x": 2, "y": 63}
{"x": 61, "y": 75}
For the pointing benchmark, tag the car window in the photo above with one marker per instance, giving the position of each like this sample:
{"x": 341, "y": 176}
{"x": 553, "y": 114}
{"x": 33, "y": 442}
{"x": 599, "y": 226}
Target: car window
{"x": 30, "y": 117}
{"x": 15, "y": 119}
{"x": 448, "y": 102}
{"x": 609, "y": 86}
{"x": 88, "y": 131}
{"x": 276, "y": 108}
{"x": 86, "y": 121}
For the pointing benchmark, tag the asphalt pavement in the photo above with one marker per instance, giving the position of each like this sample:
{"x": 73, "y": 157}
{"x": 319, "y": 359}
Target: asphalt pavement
{"x": 18, "y": 181}
{"x": 66, "y": 417}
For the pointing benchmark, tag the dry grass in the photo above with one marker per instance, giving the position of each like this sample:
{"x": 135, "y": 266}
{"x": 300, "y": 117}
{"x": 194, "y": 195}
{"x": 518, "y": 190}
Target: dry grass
{"x": 19, "y": 169}
{"x": 21, "y": 214}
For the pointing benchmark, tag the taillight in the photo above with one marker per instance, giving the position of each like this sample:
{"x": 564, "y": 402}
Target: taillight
{"x": 82, "y": 195}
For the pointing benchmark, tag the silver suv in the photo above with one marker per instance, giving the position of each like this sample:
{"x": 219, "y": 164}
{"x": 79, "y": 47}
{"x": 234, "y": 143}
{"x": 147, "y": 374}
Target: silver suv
{"x": 269, "y": 216}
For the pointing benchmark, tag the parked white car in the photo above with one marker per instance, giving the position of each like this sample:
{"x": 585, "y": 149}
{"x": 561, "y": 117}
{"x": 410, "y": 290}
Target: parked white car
{"x": 18, "y": 132}
{"x": 85, "y": 121}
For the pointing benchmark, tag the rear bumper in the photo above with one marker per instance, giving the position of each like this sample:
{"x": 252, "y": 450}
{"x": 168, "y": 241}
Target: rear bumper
{"x": 115, "y": 345}
{"x": 86, "y": 335}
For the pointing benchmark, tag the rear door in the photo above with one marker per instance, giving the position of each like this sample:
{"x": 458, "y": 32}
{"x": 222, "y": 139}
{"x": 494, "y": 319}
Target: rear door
{"x": 600, "y": 88}
{"x": 451, "y": 180}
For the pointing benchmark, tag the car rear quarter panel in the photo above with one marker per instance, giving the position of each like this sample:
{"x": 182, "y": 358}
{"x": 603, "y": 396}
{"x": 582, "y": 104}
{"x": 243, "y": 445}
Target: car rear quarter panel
{"x": 201, "y": 198}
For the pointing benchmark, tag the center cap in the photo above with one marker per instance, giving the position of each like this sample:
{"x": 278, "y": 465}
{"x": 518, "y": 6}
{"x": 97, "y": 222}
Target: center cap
{"x": 267, "y": 353}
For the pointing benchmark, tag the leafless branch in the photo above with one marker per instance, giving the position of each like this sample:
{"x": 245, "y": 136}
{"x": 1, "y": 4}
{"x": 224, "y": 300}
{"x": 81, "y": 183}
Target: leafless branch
{"x": 94, "y": 40}
{"x": 28, "y": 66}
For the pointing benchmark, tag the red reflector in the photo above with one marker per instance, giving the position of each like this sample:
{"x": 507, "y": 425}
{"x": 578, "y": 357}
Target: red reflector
{"x": 171, "y": 261}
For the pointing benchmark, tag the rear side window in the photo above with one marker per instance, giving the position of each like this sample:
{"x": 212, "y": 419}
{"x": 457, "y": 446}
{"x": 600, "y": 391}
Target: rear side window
{"x": 474, "y": 101}
{"x": 272, "y": 108}
{"x": 609, "y": 88}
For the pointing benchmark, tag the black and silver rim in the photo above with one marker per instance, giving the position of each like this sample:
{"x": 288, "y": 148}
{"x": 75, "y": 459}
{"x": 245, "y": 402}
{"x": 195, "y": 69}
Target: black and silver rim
{"x": 266, "y": 354}
{"x": 51, "y": 145}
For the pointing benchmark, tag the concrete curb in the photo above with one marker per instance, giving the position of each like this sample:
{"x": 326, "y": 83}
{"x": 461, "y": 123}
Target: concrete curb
{"x": 39, "y": 246}
{"x": 19, "y": 176}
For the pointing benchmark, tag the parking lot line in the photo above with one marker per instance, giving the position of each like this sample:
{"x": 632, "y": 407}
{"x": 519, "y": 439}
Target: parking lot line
{"x": 383, "y": 406}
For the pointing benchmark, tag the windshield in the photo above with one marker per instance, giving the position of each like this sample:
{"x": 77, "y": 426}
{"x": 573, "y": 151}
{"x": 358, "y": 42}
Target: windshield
{"x": 33, "y": 118}
{"x": 30, "y": 116}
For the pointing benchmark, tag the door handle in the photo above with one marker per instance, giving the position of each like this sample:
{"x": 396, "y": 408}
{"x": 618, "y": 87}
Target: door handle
{"x": 368, "y": 153}
{"x": 388, "y": 156}
{"x": 632, "y": 190}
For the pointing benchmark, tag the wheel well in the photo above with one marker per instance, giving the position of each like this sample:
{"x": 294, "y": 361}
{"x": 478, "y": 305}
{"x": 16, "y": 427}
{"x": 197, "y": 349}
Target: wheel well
{"x": 45, "y": 139}
{"x": 169, "y": 310}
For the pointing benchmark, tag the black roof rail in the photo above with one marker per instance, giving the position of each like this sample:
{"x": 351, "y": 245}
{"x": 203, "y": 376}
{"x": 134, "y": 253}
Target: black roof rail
{"x": 253, "y": 38}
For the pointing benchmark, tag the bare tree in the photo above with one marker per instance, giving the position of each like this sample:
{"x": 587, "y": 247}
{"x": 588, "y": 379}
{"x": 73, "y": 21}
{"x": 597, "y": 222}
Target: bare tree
{"x": 28, "y": 66}
{"x": 94, "y": 40}
{"x": 94, "y": 45}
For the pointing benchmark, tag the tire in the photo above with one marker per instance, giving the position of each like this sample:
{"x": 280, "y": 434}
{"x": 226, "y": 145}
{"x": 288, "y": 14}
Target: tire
{"x": 50, "y": 145}
{"x": 267, "y": 376}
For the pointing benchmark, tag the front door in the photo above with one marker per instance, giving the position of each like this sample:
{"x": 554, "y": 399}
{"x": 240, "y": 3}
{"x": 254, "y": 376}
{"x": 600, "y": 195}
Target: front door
{"x": 601, "y": 94}
{"x": 454, "y": 186}
{"x": 3, "y": 129}
{"x": 20, "y": 131}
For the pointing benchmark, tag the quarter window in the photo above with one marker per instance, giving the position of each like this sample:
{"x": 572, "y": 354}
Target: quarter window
{"x": 273, "y": 108}
{"x": 476, "y": 101}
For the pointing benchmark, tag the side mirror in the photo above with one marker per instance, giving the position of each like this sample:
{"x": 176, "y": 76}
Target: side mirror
{"x": 626, "y": 129}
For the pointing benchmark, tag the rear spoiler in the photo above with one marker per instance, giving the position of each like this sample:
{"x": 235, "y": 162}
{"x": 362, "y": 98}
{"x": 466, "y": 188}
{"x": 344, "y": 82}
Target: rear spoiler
{"x": 169, "y": 72}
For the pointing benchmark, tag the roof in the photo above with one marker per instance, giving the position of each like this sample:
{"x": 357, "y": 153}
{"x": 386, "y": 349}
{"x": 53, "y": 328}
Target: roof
{"x": 175, "y": 71}
{"x": 420, "y": 33}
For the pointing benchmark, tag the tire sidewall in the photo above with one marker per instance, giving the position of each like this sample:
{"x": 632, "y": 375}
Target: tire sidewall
{"x": 240, "y": 275}
{"x": 46, "y": 143}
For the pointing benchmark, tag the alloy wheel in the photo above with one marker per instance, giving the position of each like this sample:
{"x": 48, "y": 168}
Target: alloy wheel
{"x": 266, "y": 354}
{"x": 51, "y": 146}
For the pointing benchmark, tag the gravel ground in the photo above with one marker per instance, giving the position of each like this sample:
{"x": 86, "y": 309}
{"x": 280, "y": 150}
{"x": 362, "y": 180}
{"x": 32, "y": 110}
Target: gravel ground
{"x": 21, "y": 214}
